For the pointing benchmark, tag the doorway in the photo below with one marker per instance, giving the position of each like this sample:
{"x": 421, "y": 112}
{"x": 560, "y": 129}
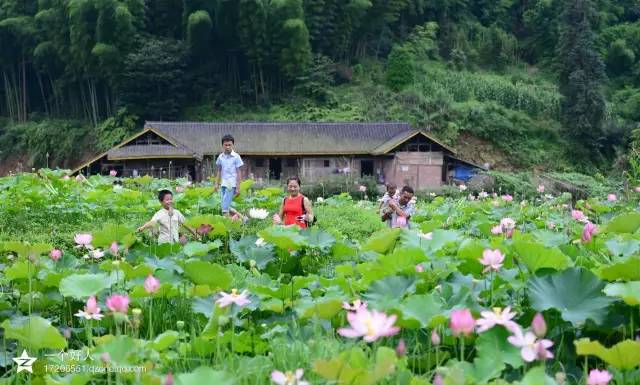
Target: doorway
{"x": 366, "y": 168}
{"x": 275, "y": 168}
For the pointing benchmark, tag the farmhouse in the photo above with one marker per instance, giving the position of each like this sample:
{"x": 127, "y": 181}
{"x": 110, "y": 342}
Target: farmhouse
{"x": 389, "y": 152}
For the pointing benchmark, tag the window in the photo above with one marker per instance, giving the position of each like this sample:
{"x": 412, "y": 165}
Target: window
{"x": 327, "y": 163}
{"x": 259, "y": 162}
{"x": 290, "y": 162}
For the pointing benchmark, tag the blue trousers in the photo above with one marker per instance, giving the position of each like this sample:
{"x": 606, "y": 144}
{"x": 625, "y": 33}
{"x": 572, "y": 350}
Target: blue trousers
{"x": 227, "y": 195}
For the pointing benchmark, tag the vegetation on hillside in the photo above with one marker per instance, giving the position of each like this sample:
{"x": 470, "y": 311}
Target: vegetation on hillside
{"x": 548, "y": 82}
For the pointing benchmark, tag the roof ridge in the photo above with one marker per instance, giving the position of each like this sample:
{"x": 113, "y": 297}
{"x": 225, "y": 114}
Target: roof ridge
{"x": 276, "y": 122}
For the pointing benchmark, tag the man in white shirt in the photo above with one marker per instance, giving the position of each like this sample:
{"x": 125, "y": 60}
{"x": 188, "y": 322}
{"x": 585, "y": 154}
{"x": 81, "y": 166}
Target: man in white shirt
{"x": 168, "y": 220}
{"x": 228, "y": 178}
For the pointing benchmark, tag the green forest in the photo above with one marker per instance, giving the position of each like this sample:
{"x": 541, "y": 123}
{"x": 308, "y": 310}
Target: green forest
{"x": 523, "y": 84}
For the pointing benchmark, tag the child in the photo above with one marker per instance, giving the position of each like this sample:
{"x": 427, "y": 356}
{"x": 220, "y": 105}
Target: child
{"x": 168, "y": 219}
{"x": 228, "y": 178}
{"x": 391, "y": 194}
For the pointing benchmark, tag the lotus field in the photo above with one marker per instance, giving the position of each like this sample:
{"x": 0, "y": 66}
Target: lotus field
{"x": 483, "y": 289}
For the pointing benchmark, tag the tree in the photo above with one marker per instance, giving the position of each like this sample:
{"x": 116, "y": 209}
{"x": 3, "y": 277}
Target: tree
{"x": 154, "y": 83}
{"x": 400, "y": 68}
{"x": 581, "y": 75}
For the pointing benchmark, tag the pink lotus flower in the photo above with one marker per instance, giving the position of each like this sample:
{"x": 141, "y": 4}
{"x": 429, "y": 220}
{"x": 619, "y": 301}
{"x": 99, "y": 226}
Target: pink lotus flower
{"x": 105, "y": 357}
{"x": 113, "y": 173}
{"x": 118, "y": 303}
{"x": 235, "y": 218}
{"x": 437, "y": 379}
{"x": 578, "y": 215}
{"x": 540, "y": 188}
{"x": 183, "y": 240}
{"x": 288, "y": 378}
{"x": 79, "y": 178}
{"x": 369, "y": 325}
{"x": 179, "y": 189}
{"x": 357, "y": 304}
{"x": 401, "y": 221}
{"x": 113, "y": 249}
{"x": 599, "y": 377}
{"x": 588, "y": 231}
{"x": 419, "y": 268}
{"x": 362, "y": 188}
{"x": 462, "y": 322}
{"x": 91, "y": 310}
{"x": 530, "y": 348}
{"x": 55, "y": 254}
{"x": 498, "y": 316}
{"x": 483, "y": 194}
{"x": 435, "y": 338}
{"x": 66, "y": 177}
{"x": 204, "y": 229}
{"x": 539, "y": 326}
{"x": 637, "y": 189}
{"x": 276, "y": 219}
{"x": 151, "y": 284}
{"x": 83, "y": 239}
{"x": 507, "y": 223}
{"x": 401, "y": 349}
{"x": 169, "y": 379}
{"x": 612, "y": 197}
{"x": 462, "y": 187}
{"x": 551, "y": 225}
{"x": 497, "y": 229}
{"x": 492, "y": 260}
{"x": 227, "y": 299}
{"x": 507, "y": 198}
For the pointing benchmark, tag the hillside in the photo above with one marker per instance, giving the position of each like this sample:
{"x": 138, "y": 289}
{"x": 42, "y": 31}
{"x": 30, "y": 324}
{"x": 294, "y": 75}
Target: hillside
{"x": 518, "y": 84}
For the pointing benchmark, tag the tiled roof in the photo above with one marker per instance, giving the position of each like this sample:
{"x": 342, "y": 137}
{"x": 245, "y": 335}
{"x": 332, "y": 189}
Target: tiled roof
{"x": 282, "y": 138}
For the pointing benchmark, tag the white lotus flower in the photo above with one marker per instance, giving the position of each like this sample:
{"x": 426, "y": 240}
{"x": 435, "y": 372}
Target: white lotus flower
{"x": 260, "y": 242}
{"x": 258, "y": 213}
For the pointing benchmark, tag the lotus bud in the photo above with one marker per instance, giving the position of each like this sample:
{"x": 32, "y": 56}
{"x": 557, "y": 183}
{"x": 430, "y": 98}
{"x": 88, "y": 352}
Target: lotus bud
{"x": 105, "y": 357}
{"x": 180, "y": 325}
{"x": 137, "y": 312}
{"x": 169, "y": 379}
{"x": 561, "y": 378}
{"x": 539, "y": 326}
{"x": 435, "y": 338}
{"x": 401, "y": 349}
{"x": 252, "y": 263}
{"x": 437, "y": 379}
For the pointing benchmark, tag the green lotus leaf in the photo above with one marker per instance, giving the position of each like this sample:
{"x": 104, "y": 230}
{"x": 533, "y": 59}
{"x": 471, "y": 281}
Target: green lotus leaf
{"x": 382, "y": 241}
{"x": 81, "y": 286}
{"x": 623, "y": 247}
{"x": 206, "y": 273}
{"x": 624, "y": 355}
{"x": 284, "y": 237}
{"x": 110, "y": 233}
{"x": 623, "y": 223}
{"x": 204, "y": 375}
{"x": 536, "y": 256}
{"x": 35, "y": 333}
{"x": 246, "y": 250}
{"x": 575, "y": 293}
{"x": 628, "y": 291}
{"x": 318, "y": 239}
{"x": 423, "y": 308}
{"x": 627, "y": 270}
{"x": 165, "y": 340}
{"x": 387, "y": 293}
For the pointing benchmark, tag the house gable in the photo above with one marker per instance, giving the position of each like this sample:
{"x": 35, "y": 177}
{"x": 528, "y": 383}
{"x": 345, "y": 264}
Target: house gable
{"x": 413, "y": 141}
